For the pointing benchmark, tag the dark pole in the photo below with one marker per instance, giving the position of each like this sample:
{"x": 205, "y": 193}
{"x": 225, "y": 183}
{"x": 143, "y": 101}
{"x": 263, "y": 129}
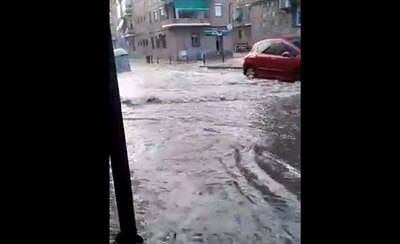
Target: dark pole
{"x": 222, "y": 48}
{"x": 119, "y": 163}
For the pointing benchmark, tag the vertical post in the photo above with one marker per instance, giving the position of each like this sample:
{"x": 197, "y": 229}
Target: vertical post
{"x": 170, "y": 59}
{"x": 204, "y": 58}
{"x": 222, "y": 47}
{"x": 119, "y": 161}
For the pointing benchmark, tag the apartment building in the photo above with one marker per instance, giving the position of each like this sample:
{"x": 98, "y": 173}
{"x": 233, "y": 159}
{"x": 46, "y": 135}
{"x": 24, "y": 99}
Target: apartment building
{"x": 176, "y": 28}
{"x": 254, "y": 20}
{"x": 121, "y": 24}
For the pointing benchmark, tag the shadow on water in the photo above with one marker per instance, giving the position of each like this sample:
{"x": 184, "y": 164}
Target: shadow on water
{"x": 279, "y": 121}
{"x": 278, "y": 154}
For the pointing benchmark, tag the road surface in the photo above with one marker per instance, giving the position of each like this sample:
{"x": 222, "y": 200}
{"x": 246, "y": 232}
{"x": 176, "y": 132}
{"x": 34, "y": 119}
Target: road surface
{"x": 214, "y": 157}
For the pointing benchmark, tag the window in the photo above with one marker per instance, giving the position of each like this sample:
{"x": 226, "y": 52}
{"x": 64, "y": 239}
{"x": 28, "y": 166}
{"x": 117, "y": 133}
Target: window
{"x": 261, "y": 46}
{"x": 276, "y": 48}
{"x": 152, "y": 42}
{"x": 162, "y": 11}
{"x": 284, "y": 3}
{"x": 155, "y": 13}
{"x": 293, "y": 52}
{"x": 218, "y": 9}
{"x": 157, "y": 42}
{"x": 247, "y": 14}
{"x": 240, "y": 34}
{"x": 163, "y": 41}
{"x": 133, "y": 45}
{"x": 238, "y": 15}
{"x": 195, "y": 40}
{"x": 298, "y": 19}
{"x": 190, "y": 14}
{"x": 166, "y": 13}
{"x": 150, "y": 21}
{"x": 296, "y": 41}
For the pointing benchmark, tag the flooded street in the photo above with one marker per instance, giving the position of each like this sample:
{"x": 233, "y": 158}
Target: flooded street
{"x": 214, "y": 157}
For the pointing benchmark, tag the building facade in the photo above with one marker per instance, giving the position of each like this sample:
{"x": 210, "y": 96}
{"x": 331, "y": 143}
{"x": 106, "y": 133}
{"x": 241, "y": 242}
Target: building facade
{"x": 254, "y": 20}
{"x": 121, "y": 24}
{"x": 176, "y": 28}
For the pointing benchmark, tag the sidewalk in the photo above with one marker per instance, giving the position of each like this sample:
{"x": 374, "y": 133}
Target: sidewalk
{"x": 236, "y": 62}
{"x": 231, "y": 63}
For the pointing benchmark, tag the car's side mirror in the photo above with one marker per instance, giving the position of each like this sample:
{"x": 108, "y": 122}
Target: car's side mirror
{"x": 286, "y": 54}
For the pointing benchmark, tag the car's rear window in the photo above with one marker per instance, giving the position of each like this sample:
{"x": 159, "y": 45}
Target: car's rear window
{"x": 261, "y": 46}
{"x": 296, "y": 42}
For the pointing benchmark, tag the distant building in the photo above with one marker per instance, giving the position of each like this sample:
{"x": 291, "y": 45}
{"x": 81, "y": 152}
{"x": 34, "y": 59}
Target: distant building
{"x": 113, "y": 23}
{"x": 254, "y": 20}
{"x": 121, "y": 23}
{"x": 175, "y": 28}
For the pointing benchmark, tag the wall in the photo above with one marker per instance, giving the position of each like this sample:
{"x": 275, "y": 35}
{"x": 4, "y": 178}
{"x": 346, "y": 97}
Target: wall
{"x": 246, "y": 34}
{"x": 183, "y": 41}
{"x": 269, "y": 21}
{"x": 178, "y": 38}
{"x": 115, "y": 11}
{"x": 219, "y": 21}
{"x": 266, "y": 19}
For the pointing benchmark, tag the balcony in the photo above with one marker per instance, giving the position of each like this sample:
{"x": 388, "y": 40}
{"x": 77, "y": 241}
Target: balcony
{"x": 185, "y": 22}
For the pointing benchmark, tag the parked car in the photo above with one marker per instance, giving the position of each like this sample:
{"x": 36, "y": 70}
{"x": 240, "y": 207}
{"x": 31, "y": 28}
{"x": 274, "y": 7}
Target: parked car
{"x": 273, "y": 59}
{"x": 294, "y": 39}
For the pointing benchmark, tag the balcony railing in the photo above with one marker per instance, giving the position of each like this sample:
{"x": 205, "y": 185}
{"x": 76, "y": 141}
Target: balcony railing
{"x": 185, "y": 22}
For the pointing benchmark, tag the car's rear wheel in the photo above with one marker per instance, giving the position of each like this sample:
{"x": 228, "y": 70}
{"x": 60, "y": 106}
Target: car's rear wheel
{"x": 250, "y": 73}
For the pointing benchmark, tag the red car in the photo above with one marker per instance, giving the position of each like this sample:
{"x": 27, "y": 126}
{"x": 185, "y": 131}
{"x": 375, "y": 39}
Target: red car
{"x": 294, "y": 39}
{"x": 275, "y": 58}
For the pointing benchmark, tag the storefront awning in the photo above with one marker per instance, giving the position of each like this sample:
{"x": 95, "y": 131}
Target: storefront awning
{"x": 191, "y": 4}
